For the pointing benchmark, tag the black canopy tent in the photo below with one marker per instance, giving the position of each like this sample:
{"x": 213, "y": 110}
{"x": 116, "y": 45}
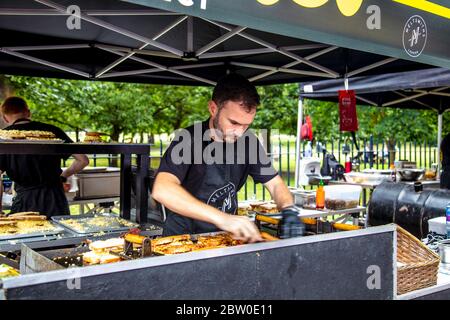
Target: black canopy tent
{"x": 425, "y": 89}
{"x": 194, "y": 42}
{"x": 191, "y": 42}
{"x": 178, "y": 42}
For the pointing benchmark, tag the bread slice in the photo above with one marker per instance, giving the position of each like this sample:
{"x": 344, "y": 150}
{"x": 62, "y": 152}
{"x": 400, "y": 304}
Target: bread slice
{"x": 269, "y": 208}
{"x": 91, "y": 257}
{"x": 27, "y": 213}
{"x": 21, "y": 218}
{"x": 8, "y": 223}
{"x": 104, "y": 246}
{"x": 109, "y": 258}
{"x": 167, "y": 240}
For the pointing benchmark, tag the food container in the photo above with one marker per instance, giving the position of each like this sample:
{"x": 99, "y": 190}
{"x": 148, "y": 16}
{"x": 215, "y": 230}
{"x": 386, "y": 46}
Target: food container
{"x": 305, "y": 199}
{"x": 430, "y": 174}
{"x": 444, "y": 252}
{"x": 367, "y": 178}
{"x": 378, "y": 171}
{"x": 340, "y": 197}
{"x": 99, "y": 185}
{"x": 410, "y": 174}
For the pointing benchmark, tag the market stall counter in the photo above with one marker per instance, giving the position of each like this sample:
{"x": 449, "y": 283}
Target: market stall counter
{"x": 341, "y": 265}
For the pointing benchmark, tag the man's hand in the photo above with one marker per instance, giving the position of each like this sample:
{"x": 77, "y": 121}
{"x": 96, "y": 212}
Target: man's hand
{"x": 80, "y": 162}
{"x": 241, "y": 227}
{"x": 168, "y": 191}
{"x": 291, "y": 225}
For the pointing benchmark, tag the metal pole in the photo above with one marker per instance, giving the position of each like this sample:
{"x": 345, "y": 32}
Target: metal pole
{"x": 439, "y": 140}
{"x": 298, "y": 139}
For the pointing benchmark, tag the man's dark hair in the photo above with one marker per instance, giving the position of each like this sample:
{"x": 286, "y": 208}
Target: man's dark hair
{"x": 14, "y": 105}
{"x": 234, "y": 87}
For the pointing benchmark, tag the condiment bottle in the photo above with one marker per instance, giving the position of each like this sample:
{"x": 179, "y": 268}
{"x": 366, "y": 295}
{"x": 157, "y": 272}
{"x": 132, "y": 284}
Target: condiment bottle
{"x": 394, "y": 173}
{"x": 348, "y": 165}
{"x": 320, "y": 196}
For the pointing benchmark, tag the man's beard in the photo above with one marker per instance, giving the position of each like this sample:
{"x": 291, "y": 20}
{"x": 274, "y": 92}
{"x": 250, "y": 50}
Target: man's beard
{"x": 220, "y": 133}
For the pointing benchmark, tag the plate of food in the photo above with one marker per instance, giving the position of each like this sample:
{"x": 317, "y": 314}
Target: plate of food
{"x": 28, "y": 136}
{"x": 26, "y": 225}
{"x": 190, "y": 243}
{"x": 264, "y": 207}
{"x": 95, "y": 137}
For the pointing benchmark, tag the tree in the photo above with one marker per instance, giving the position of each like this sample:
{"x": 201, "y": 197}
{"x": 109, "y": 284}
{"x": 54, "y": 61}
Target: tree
{"x": 114, "y": 108}
{"x": 120, "y": 109}
{"x": 60, "y": 102}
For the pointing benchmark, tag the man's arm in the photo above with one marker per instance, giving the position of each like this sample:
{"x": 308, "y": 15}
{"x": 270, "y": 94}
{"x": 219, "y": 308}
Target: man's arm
{"x": 168, "y": 191}
{"x": 80, "y": 162}
{"x": 279, "y": 192}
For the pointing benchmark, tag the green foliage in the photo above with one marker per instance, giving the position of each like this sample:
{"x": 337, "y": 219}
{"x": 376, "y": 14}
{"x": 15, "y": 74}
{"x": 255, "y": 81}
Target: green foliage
{"x": 113, "y": 108}
{"x": 129, "y": 109}
{"x": 278, "y": 109}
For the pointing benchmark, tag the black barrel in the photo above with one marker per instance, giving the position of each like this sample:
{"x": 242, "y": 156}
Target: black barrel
{"x": 399, "y": 203}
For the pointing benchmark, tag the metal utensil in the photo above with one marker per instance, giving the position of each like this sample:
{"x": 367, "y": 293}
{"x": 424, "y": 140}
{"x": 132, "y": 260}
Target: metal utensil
{"x": 444, "y": 251}
{"x": 411, "y": 174}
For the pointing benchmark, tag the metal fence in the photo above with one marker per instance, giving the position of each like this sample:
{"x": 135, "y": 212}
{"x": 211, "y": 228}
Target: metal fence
{"x": 375, "y": 154}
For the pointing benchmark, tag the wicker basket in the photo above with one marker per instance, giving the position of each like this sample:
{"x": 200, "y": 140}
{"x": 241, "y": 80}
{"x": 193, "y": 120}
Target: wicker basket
{"x": 417, "y": 266}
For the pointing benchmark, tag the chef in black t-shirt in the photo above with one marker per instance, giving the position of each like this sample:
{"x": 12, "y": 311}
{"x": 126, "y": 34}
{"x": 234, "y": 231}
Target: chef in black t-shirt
{"x": 38, "y": 178}
{"x": 206, "y": 164}
{"x": 445, "y": 158}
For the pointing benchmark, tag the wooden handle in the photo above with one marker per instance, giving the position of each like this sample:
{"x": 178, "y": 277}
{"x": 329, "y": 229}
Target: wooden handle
{"x": 134, "y": 238}
{"x": 269, "y": 237}
{"x": 310, "y": 221}
{"x": 267, "y": 219}
{"x": 345, "y": 227}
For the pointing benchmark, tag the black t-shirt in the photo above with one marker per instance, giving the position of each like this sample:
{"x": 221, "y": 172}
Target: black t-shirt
{"x": 34, "y": 170}
{"x": 213, "y": 172}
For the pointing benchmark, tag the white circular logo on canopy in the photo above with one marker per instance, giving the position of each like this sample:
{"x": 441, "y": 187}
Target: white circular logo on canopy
{"x": 415, "y": 36}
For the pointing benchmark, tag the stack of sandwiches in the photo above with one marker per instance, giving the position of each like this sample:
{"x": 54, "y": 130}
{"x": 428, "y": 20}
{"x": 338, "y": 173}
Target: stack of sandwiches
{"x": 264, "y": 207}
{"x": 93, "y": 137}
{"x": 101, "y": 251}
{"x": 27, "y": 135}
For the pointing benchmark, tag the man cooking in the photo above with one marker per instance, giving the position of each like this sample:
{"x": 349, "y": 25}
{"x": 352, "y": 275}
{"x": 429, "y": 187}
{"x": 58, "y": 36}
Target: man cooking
{"x": 38, "y": 178}
{"x": 199, "y": 190}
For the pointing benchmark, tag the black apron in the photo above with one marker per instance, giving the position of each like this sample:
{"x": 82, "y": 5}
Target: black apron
{"x": 46, "y": 199}
{"x": 216, "y": 190}
{"x": 49, "y": 200}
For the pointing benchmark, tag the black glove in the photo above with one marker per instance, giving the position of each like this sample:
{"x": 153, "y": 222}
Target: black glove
{"x": 291, "y": 225}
